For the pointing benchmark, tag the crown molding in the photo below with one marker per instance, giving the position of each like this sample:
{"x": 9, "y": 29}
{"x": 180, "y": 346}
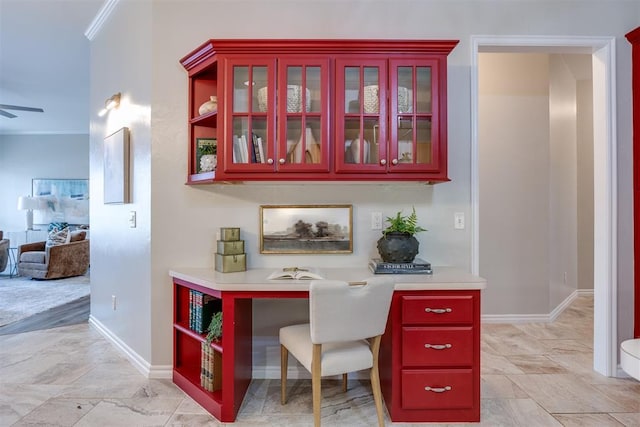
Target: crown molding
{"x": 100, "y": 18}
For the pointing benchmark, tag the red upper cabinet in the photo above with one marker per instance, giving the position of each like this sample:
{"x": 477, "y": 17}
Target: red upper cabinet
{"x": 312, "y": 110}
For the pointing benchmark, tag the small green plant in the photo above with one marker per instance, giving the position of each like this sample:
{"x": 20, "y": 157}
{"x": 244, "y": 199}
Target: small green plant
{"x": 214, "y": 331}
{"x": 207, "y": 149}
{"x": 403, "y": 224}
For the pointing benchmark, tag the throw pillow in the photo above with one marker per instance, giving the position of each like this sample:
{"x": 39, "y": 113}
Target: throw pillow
{"x": 58, "y": 237}
{"x": 57, "y": 226}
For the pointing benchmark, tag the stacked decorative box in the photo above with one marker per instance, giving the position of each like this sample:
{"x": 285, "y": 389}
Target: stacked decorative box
{"x": 230, "y": 256}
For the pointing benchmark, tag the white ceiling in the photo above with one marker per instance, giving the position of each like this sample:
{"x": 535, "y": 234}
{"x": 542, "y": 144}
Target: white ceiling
{"x": 44, "y": 62}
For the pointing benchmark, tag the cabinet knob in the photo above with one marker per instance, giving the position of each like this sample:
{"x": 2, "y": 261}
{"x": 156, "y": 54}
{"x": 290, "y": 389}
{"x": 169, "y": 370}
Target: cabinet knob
{"x": 383, "y": 162}
{"x": 394, "y": 161}
{"x": 282, "y": 161}
{"x": 270, "y": 161}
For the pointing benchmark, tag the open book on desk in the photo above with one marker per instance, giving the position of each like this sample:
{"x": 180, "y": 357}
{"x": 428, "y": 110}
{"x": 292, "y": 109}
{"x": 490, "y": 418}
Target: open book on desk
{"x": 295, "y": 273}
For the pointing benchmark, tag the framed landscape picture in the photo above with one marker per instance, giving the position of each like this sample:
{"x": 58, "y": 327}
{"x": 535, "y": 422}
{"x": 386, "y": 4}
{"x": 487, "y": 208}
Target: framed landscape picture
{"x": 300, "y": 229}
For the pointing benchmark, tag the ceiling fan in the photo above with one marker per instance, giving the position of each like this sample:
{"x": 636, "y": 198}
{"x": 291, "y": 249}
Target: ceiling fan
{"x": 4, "y": 107}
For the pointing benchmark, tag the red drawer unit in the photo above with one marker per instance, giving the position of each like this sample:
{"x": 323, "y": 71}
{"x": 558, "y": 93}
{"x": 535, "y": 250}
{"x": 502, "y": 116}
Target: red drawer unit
{"x": 437, "y": 389}
{"x": 430, "y": 356}
{"x": 441, "y": 346}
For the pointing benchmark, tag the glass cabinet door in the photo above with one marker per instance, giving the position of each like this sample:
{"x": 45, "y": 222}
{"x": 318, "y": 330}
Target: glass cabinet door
{"x": 413, "y": 115}
{"x": 302, "y": 108}
{"x": 249, "y": 137}
{"x": 361, "y": 115}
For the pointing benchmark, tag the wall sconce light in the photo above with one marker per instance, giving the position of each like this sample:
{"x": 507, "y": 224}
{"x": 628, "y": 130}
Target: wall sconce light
{"x": 110, "y": 104}
{"x": 27, "y": 203}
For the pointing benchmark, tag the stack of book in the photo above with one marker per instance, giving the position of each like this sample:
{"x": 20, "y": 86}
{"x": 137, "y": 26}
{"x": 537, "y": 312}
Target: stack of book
{"x": 418, "y": 266}
{"x": 210, "y": 372}
{"x": 201, "y": 309}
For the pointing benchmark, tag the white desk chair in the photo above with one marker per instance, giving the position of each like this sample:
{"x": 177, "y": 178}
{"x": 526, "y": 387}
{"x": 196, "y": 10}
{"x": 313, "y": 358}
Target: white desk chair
{"x": 347, "y": 321}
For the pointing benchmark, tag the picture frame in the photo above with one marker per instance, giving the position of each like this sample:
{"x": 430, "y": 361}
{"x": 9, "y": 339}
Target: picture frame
{"x": 202, "y": 148}
{"x": 306, "y": 229}
{"x": 61, "y": 200}
{"x": 116, "y": 167}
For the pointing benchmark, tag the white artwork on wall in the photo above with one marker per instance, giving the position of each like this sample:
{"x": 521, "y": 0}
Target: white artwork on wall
{"x": 116, "y": 167}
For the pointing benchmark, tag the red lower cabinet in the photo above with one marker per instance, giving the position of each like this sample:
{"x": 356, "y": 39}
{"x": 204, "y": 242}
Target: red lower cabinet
{"x": 430, "y": 357}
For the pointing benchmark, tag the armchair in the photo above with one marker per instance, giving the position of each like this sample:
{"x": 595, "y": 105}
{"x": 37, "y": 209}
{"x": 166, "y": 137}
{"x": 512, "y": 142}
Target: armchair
{"x": 4, "y": 252}
{"x": 38, "y": 261}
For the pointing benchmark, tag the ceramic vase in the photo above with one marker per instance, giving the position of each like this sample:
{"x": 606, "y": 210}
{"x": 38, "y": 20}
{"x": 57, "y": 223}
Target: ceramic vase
{"x": 398, "y": 247}
{"x": 209, "y": 106}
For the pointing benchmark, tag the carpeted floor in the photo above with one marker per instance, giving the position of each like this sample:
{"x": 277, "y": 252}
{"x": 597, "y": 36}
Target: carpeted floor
{"x": 44, "y": 300}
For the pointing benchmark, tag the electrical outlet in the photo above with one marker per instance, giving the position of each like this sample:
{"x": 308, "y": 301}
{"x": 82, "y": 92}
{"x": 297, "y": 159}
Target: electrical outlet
{"x": 113, "y": 302}
{"x": 376, "y": 220}
{"x": 458, "y": 220}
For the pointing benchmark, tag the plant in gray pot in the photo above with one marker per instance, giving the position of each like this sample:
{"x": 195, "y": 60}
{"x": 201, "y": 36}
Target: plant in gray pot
{"x": 398, "y": 243}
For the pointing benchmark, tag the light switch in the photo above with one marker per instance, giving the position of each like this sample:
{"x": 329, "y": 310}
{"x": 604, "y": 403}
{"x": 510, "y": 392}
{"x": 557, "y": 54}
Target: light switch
{"x": 458, "y": 220}
{"x": 132, "y": 219}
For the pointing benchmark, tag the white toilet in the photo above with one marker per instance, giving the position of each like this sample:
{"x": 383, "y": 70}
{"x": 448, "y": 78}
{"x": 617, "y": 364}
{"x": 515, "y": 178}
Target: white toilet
{"x": 630, "y": 357}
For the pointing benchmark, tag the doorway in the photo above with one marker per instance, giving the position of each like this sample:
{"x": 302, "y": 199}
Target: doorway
{"x": 604, "y": 174}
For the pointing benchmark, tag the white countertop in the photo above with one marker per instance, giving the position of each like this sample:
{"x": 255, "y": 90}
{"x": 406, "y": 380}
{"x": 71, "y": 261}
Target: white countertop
{"x": 443, "y": 278}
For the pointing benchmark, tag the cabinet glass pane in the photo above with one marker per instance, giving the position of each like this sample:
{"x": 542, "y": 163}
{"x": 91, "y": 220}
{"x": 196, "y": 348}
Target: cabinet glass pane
{"x": 352, "y": 89}
{"x": 303, "y": 89}
{"x": 240, "y": 133}
{"x": 260, "y": 87}
{"x": 249, "y": 142}
{"x": 404, "y": 99}
{"x": 423, "y": 141}
{"x": 258, "y": 149}
{"x": 371, "y": 91}
{"x": 241, "y": 93}
{"x": 405, "y": 140}
{"x": 303, "y": 147}
{"x": 423, "y": 85}
{"x": 358, "y": 149}
{"x": 313, "y": 83}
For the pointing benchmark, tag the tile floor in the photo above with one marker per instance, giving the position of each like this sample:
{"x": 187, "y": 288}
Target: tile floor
{"x": 532, "y": 375}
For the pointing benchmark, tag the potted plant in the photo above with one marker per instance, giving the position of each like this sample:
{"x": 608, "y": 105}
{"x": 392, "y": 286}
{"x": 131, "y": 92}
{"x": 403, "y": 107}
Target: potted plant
{"x": 398, "y": 243}
{"x": 214, "y": 331}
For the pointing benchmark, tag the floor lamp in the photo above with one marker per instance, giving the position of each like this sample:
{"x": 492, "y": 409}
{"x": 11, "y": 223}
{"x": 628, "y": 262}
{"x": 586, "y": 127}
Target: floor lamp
{"x": 27, "y": 203}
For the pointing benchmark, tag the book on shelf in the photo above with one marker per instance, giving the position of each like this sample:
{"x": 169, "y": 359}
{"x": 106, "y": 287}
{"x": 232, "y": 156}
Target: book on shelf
{"x": 240, "y": 150}
{"x": 261, "y": 151}
{"x": 201, "y": 310}
{"x": 258, "y": 150}
{"x": 418, "y": 266}
{"x": 296, "y": 273}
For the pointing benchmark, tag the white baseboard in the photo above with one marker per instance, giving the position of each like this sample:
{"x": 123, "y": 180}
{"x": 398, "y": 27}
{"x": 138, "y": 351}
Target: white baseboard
{"x": 528, "y": 318}
{"x": 146, "y": 369}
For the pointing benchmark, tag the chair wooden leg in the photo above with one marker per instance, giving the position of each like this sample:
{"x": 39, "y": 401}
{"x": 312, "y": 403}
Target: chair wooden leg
{"x": 375, "y": 380}
{"x": 316, "y": 372}
{"x": 284, "y": 359}
{"x": 344, "y": 382}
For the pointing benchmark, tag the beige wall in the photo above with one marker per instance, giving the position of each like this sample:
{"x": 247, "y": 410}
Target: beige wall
{"x": 584, "y": 111}
{"x": 24, "y": 157}
{"x": 137, "y": 52}
{"x": 528, "y": 126}
{"x": 121, "y": 256}
{"x": 514, "y": 174}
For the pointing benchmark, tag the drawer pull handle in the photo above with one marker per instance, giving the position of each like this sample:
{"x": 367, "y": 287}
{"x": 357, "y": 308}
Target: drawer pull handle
{"x": 438, "y": 346}
{"x": 438, "y": 389}
{"x": 438, "y": 310}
